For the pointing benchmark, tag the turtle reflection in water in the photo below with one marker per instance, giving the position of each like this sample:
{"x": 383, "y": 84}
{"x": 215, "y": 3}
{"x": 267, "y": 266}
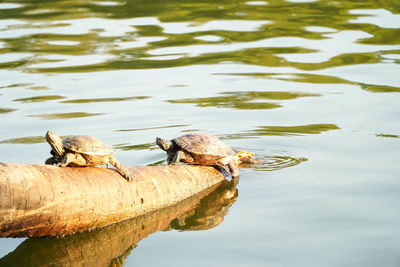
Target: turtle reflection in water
{"x": 83, "y": 150}
{"x": 202, "y": 149}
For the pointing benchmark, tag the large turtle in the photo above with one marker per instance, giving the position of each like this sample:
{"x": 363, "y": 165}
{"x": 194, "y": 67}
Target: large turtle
{"x": 83, "y": 150}
{"x": 199, "y": 148}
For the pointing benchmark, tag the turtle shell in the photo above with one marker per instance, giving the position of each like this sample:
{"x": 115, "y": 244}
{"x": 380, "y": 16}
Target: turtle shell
{"x": 87, "y": 145}
{"x": 205, "y": 146}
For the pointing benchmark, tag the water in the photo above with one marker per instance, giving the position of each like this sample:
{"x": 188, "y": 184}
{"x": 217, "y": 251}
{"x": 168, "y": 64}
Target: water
{"x": 312, "y": 87}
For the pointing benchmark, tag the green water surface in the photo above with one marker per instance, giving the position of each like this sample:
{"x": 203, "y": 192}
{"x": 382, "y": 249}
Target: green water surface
{"x": 311, "y": 87}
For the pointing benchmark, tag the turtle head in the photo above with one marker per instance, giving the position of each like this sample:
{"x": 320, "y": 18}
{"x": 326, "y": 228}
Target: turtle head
{"x": 243, "y": 157}
{"x": 165, "y": 145}
{"x": 55, "y": 142}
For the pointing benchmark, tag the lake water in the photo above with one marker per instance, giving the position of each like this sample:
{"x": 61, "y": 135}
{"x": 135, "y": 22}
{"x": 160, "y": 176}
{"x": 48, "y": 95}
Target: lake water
{"x": 312, "y": 87}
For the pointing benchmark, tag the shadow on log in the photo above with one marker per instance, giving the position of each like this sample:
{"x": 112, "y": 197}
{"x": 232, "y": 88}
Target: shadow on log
{"x": 44, "y": 200}
{"x": 109, "y": 246}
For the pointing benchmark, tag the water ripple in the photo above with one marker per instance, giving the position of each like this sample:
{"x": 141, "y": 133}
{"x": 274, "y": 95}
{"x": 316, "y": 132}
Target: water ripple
{"x": 42, "y": 98}
{"x": 244, "y": 100}
{"x": 69, "y": 115}
{"x": 294, "y": 81}
{"x": 274, "y": 163}
{"x": 105, "y": 35}
{"x": 109, "y": 99}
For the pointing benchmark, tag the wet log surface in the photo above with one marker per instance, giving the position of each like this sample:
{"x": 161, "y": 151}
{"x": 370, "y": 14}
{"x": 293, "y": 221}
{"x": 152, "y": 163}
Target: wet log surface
{"x": 44, "y": 200}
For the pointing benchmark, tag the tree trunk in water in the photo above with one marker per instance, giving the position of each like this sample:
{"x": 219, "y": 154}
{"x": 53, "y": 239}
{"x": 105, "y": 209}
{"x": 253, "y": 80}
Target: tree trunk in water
{"x": 109, "y": 246}
{"x": 44, "y": 200}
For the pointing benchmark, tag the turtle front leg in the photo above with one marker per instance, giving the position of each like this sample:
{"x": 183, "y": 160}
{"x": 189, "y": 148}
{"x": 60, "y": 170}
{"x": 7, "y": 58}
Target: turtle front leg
{"x": 223, "y": 169}
{"x": 233, "y": 168}
{"x": 54, "y": 160}
{"x": 124, "y": 171}
{"x": 51, "y": 161}
{"x": 181, "y": 156}
{"x": 72, "y": 158}
{"x": 170, "y": 157}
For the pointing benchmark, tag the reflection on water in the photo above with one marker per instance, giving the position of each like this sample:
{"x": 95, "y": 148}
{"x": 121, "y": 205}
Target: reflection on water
{"x": 135, "y": 147}
{"x": 42, "y": 98}
{"x": 388, "y": 135}
{"x": 111, "y": 245}
{"x": 69, "y": 115}
{"x": 244, "y": 100}
{"x": 273, "y": 34}
{"x": 25, "y": 140}
{"x": 285, "y": 130}
{"x": 6, "y": 110}
{"x": 16, "y": 85}
{"x": 211, "y": 210}
{"x": 110, "y": 99}
{"x": 152, "y": 128}
{"x": 316, "y": 78}
{"x": 294, "y": 130}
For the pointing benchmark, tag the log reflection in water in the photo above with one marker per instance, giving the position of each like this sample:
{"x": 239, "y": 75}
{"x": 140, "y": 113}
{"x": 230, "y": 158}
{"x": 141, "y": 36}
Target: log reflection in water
{"x": 109, "y": 246}
{"x": 211, "y": 211}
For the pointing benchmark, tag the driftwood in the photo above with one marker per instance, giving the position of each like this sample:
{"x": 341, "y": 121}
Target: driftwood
{"x": 44, "y": 200}
{"x": 109, "y": 246}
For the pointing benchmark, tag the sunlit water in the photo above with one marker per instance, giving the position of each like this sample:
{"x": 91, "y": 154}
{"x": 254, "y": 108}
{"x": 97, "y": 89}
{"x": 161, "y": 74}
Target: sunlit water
{"x": 312, "y": 87}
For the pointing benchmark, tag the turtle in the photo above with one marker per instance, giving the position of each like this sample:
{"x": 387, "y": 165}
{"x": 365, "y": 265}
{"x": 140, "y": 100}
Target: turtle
{"x": 200, "y": 148}
{"x": 83, "y": 150}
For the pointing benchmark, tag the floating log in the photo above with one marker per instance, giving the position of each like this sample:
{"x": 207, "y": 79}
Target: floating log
{"x": 110, "y": 245}
{"x": 44, "y": 200}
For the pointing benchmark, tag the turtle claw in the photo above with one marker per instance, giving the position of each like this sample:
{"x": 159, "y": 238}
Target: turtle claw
{"x": 130, "y": 178}
{"x": 127, "y": 174}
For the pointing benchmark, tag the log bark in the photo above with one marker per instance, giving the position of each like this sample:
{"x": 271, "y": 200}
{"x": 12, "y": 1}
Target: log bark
{"x": 44, "y": 200}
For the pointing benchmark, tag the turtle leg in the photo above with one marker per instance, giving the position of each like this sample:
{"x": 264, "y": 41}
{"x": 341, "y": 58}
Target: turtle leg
{"x": 181, "y": 156}
{"x": 124, "y": 171}
{"x": 170, "y": 157}
{"x": 54, "y": 159}
{"x": 233, "y": 168}
{"x": 72, "y": 157}
{"x": 50, "y": 161}
{"x": 223, "y": 169}
{"x": 67, "y": 159}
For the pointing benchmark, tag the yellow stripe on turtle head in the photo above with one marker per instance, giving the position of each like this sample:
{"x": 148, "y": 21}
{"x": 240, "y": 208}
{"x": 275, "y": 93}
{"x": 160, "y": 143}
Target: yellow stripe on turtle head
{"x": 242, "y": 155}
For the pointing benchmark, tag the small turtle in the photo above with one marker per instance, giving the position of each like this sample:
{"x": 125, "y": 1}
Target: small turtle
{"x": 200, "y": 148}
{"x": 83, "y": 150}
